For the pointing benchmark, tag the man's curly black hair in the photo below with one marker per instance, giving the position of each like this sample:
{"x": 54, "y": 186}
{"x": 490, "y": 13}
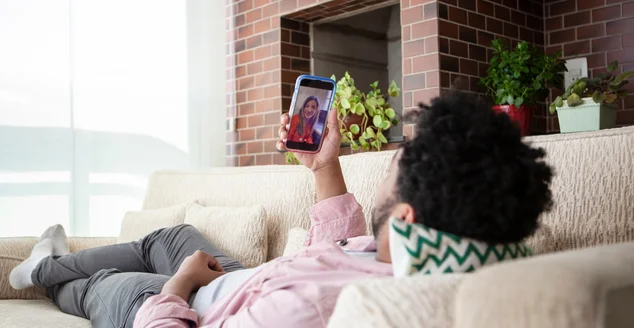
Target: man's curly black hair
{"x": 467, "y": 172}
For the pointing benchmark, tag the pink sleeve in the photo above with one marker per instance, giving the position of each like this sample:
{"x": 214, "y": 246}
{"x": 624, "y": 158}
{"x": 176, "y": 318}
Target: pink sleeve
{"x": 165, "y": 311}
{"x": 280, "y": 309}
{"x": 334, "y": 219}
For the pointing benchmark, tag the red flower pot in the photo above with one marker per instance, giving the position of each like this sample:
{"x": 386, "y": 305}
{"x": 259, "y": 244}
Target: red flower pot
{"x": 522, "y": 115}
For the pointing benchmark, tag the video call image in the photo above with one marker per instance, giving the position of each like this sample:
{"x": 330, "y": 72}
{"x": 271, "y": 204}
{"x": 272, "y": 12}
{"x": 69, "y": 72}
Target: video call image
{"x": 309, "y": 115}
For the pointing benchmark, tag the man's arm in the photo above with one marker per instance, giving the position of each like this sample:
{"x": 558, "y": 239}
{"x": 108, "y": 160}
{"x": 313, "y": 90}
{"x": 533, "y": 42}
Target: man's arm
{"x": 329, "y": 181}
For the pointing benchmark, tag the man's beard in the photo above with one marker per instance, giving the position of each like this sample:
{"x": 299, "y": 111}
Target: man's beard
{"x": 381, "y": 214}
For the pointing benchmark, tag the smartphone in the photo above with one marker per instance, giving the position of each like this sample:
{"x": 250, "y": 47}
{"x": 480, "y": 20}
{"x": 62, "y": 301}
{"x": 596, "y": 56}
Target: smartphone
{"x": 309, "y": 110}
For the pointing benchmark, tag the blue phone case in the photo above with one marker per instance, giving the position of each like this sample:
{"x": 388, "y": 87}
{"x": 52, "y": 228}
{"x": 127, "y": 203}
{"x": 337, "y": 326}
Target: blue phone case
{"x": 332, "y": 99}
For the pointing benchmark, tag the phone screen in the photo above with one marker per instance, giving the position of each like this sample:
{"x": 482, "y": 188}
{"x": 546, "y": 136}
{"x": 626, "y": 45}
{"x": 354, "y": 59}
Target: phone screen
{"x": 309, "y": 113}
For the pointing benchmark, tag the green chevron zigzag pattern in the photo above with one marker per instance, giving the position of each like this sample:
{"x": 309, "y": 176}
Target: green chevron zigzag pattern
{"x": 471, "y": 253}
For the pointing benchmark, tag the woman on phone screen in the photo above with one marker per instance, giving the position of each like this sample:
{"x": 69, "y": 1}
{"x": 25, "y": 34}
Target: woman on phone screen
{"x": 303, "y": 123}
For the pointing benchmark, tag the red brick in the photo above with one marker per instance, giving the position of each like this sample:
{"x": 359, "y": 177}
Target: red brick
{"x": 477, "y": 53}
{"x": 262, "y": 52}
{"x": 425, "y": 63}
{"x": 448, "y": 63}
{"x": 272, "y": 91}
{"x": 246, "y": 83}
{"x": 290, "y": 76}
{"x": 255, "y": 94}
{"x": 495, "y": 26}
{"x": 255, "y": 120}
{"x": 486, "y": 8}
{"x": 424, "y": 29}
{"x": 576, "y": 48}
{"x": 518, "y": 18}
{"x": 254, "y": 147}
{"x": 562, "y": 8}
{"x": 413, "y": 48}
{"x": 246, "y": 160}
{"x": 628, "y": 40}
{"x": 605, "y": 44}
{"x": 246, "y": 109}
{"x": 430, "y": 10}
{"x": 469, "y": 67}
{"x": 625, "y": 117}
{"x": 502, "y": 13}
{"x": 253, "y": 15}
{"x": 241, "y": 122}
{"x": 270, "y": 146}
{"x": 241, "y": 97}
{"x": 425, "y": 96}
{"x": 407, "y": 66}
{"x": 576, "y": 19}
{"x": 264, "y": 159}
{"x": 590, "y": 31}
{"x": 458, "y": 15}
{"x": 262, "y": 26}
{"x": 606, "y": 13}
{"x": 589, "y": 4}
{"x": 562, "y": 36}
{"x": 291, "y": 50}
{"x": 432, "y": 79}
{"x": 459, "y": 48}
{"x": 468, "y": 34}
{"x": 554, "y": 49}
{"x": 596, "y": 60}
{"x": 444, "y": 80}
{"x": 246, "y": 134}
{"x": 245, "y": 31}
{"x": 431, "y": 45}
{"x": 272, "y": 118}
{"x": 271, "y": 64}
{"x": 620, "y": 26}
{"x": 270, "y": 10}
{"x": 511, "y": 30}
{"x": 477, "y": 21}
{"x": 240, "y": 71}
{"x": 485, "y": 39}
{"x": 254, "y": 41}
{"x": 406, "y": 34}
{"x": 279, "y": 159}
{"x": 467, "y": 4}
{"x": 412, "y": 15}
{"x": 239, "y": 149}
{"x": 527, "y": 35}
{"x": 444, "y": 45}
{"x": 448, "y": 29}
{"x": 245, "y": 57}
{"x": 623, "y": 56}
{"x": 287, "y": 6}
{"x": 628, "y": 9}
{"x": 554, "y": 23}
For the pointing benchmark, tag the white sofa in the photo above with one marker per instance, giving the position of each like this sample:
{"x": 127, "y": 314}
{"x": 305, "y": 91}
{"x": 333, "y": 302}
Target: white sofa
{"x": 591, "y": 287}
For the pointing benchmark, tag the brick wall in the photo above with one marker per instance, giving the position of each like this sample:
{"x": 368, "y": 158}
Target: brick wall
{"x": 467, "y": 28}
{"x": 268, "y": 46}
{"x": 602, "y": 31}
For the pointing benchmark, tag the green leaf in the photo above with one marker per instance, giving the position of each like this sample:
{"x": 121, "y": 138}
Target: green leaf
{"x": 537, "y": 85}
{"x": 500, "y": 92}
{"x": 345, "y": 103}
{"x": 354, "y": 129}
{"x": 363, "y": 142}
{"x": 381, "y": 137}
{"x": 574, "y": 100}
{"x": 519, "y": 101}
{"x": 516, "y": 74}
{"x": 510, "y": 100}
{"x": 386, "y": 125}
{"x": 358, "y": 108}
{"x": 553, "y": 108}
{"x": 374, "y": 85}
{"x": 390, "y": 113}
{"x": 370, "y": 133}
{"x": 349, "y": 135}
{"x": 377, "y": 120}
{"x": 354, "y": 145}
{"x": 625, "y": 76}
{"x": 559, "y": 102}
{"x": 613, "y": 66}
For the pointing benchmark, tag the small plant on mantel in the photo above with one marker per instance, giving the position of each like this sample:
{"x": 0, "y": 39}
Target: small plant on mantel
{"x": 589, "y": 104}
{"x": 518, "y": 79}
{"x": 363, "y": 118}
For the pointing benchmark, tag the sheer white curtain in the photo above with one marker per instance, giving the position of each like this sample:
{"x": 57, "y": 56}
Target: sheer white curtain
{"x": 93, "y": 98}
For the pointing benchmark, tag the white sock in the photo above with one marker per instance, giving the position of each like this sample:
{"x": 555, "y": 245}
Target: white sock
{"x": 60, "y": 242}
{"x": 20, "y": 277}
{"x": 52, "y": 242}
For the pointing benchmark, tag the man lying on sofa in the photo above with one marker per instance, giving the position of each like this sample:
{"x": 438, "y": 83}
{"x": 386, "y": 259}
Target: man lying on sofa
{"x": 465, "y": 178}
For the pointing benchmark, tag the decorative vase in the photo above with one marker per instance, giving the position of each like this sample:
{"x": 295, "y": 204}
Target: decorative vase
{"x": 522, "y": 115}
{"x": 589, "y": 116}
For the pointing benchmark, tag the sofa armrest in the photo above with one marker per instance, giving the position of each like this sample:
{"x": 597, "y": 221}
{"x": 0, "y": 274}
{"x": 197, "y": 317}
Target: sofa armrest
{"x": 14, "y": 250}
{"x": 586, "y": 288}
{"x": 415, "y": 301}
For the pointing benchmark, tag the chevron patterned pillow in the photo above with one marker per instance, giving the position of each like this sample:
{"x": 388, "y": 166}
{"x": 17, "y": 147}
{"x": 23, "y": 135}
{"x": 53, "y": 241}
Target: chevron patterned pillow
{"x": 417, "y": 248}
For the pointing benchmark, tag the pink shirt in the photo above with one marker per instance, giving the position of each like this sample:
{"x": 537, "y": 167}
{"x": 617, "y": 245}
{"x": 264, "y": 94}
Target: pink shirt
{"x": 292, "y": 291}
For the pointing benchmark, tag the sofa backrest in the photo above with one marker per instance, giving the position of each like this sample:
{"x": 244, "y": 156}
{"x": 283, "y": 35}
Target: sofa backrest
{"x": 593, "y": 189}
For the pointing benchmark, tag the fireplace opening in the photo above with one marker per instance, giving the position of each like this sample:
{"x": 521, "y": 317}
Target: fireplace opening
{"x": 368, "y": 46}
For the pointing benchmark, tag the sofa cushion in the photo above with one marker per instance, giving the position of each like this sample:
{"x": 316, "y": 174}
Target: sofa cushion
{"x": 137, "y": 224}
{"x": 37, "y": 313}
{"x": 296, "y": 239}
{"x": 239, "y": 231}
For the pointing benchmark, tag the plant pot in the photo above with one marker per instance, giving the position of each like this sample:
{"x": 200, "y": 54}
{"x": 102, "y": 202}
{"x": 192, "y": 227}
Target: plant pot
{"x": 523, "y": 115}
{"x": 354, "y": 119}
{"x": 587, "y": 117}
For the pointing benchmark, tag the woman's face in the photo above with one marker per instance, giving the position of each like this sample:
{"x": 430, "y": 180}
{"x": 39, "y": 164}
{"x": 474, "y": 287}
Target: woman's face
{"x": 310, "y": 109}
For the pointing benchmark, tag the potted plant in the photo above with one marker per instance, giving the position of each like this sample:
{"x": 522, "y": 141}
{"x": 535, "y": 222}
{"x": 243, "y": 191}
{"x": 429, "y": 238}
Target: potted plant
{"x": 363, "y": 118}
{"x": 519, "y": 79}
{"x": 589, "y": 104}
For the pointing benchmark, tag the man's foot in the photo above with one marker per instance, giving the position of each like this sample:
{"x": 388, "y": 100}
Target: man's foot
{"x": 52, "y": 242}
{"x": 60, "y": 242}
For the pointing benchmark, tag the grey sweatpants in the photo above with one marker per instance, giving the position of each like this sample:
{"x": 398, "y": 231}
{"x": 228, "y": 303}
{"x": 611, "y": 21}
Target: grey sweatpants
{"x": 109, "y": 284}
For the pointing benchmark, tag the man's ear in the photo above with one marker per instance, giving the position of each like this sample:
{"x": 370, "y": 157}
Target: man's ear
{"x": 405, "y": 212}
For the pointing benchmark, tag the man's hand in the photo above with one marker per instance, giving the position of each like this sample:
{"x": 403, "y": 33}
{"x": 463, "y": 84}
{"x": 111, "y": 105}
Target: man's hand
{"x": 324, "y": 164}
{"x": 329, "y": 153}
{"x": 197, "y": 270}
